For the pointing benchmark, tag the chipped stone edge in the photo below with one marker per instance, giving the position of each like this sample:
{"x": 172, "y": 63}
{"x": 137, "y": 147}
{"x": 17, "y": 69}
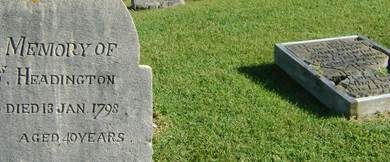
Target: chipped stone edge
{"x": 323, "y": 89}
{"x": 147, "y": 72}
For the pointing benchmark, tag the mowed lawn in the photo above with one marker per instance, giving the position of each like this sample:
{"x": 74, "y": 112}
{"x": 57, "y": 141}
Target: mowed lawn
{"x": 218, "y": 95}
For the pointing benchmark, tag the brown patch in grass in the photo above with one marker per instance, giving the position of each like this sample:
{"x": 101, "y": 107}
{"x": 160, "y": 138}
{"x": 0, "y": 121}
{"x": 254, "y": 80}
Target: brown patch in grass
{"x": 160, "y": 124}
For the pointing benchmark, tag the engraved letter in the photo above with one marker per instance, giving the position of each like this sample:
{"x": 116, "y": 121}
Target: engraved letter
{"x": 15, "y": 47}
{"x": 25, "y": 75}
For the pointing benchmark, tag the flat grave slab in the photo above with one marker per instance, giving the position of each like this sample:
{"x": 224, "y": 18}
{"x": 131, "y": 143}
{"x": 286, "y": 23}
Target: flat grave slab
{"x": 147, "y": 4}
{"x": 347, "y": 74}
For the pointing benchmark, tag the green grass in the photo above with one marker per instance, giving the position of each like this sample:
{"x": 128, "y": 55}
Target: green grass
{"x": 218, "y": 96}
{"x": 127, "y": 2}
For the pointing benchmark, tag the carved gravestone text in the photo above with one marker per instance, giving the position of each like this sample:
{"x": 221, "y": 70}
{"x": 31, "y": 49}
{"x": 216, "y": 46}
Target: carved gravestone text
{"x": 71, "y": 86}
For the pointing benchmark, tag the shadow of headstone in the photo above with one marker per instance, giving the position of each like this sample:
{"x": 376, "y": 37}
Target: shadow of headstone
{"x": 271, "y": 77}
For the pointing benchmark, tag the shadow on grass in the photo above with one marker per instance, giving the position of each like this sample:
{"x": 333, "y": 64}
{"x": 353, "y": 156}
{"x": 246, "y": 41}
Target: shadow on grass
{"x": 276, "y": 80}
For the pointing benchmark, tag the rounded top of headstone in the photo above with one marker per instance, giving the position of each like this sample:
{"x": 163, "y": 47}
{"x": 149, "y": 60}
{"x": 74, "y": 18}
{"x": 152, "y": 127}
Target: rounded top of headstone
{"x": 58, "y": 21}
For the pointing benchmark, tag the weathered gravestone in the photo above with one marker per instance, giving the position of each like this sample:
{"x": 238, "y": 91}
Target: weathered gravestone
{"x": 348, "y": 74}
{"x": 146, "y": 4}
{"x": 71, "y": 86}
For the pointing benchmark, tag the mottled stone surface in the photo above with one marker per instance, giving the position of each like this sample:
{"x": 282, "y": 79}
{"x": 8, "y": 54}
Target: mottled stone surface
{"x": 71, "y": 86}
{"x": 354, "y": 65}
{"x": 147, "y": 4}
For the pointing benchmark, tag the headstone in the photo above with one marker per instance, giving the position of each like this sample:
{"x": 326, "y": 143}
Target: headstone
{"x": 71, "y": 86}
{"x": 348, "y": 74}
{"x": 147, "y": 4}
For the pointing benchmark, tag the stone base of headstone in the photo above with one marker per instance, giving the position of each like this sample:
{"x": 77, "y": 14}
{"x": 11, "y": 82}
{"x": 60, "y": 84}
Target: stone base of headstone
{"x": 154, "y": 4}
{"x": 344, "y": 73}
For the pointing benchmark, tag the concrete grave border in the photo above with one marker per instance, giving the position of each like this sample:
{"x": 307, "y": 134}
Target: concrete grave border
{"x": 323, "y": 89}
